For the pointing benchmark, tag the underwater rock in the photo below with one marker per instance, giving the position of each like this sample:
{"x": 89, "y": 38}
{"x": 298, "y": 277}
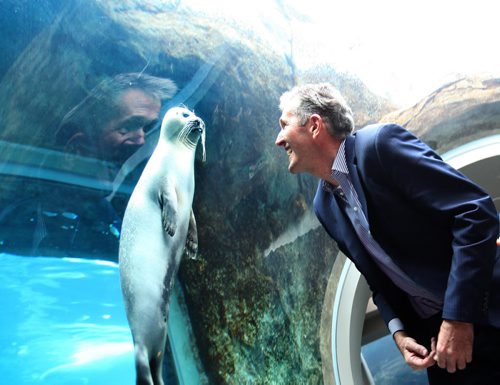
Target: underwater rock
{"x": 454, "y": 114}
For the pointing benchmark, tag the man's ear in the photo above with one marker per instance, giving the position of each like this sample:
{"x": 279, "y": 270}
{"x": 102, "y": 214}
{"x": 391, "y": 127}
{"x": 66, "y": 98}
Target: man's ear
{"x": 78, "y": 144}
{"x": 317, "y": 124}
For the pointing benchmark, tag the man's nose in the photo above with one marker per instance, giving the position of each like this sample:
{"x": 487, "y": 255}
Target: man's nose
{"x": 137, "y": 137}
{"x": 279, "y": 140}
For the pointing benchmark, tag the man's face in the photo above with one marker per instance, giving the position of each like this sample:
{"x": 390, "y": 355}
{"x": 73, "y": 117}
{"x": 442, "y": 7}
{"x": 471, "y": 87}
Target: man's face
{"x": 296, "y": 140}
{"x": 122, "y": 136}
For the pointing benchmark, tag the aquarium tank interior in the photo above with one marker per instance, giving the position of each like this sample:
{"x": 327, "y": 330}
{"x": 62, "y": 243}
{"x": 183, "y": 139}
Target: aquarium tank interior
{"x": 261, "y": 302}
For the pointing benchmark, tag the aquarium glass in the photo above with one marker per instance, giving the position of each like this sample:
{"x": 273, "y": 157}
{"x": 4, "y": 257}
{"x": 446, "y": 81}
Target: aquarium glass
{"x": 84, "y": 86}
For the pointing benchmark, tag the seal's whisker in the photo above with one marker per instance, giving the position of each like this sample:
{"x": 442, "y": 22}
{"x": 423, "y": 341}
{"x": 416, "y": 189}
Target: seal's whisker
{"x": 183, "y": 135}
{"x": 203, "y": 137}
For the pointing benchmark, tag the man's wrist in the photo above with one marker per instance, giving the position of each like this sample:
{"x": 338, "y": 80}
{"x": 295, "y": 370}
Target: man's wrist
{"x": 395, "y": 325}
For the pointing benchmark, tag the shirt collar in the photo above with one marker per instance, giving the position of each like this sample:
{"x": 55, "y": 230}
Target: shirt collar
{"x": 339, "y": 163}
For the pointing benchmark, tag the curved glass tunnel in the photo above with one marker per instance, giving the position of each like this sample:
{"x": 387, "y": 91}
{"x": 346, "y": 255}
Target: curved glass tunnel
{"x": 268, "y": 296}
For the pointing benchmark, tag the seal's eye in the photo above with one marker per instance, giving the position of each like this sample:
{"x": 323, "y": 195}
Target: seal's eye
{"x": 185, "y": 115}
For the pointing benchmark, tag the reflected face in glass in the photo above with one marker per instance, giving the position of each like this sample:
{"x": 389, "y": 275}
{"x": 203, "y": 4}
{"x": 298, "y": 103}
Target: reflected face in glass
{"x": 122, "y": 136}
{"x": 296, "y": 140}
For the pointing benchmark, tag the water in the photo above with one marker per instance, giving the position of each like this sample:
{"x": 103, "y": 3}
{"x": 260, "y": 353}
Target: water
{"x": 63, "y": 322}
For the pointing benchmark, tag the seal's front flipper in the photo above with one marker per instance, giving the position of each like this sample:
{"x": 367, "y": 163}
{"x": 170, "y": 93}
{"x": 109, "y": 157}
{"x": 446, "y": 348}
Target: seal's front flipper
{"x": 192, "y": 238}
{"x": 168, "y": 205}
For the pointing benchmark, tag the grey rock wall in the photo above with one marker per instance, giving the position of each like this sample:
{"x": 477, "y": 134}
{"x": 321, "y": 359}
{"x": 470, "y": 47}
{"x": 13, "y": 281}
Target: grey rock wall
{"x": 454, "y": 114}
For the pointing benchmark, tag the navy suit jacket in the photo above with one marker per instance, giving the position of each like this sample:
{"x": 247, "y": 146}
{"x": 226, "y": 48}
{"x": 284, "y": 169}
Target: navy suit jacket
{"x": 437, "y": 225}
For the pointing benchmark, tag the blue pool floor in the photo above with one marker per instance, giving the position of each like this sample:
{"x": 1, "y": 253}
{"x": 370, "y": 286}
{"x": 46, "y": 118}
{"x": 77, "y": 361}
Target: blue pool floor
{"x": 63, "y": 322}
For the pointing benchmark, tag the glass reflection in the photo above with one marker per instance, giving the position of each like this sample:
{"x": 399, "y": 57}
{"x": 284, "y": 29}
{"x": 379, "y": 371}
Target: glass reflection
{"x": 73, "y": 144}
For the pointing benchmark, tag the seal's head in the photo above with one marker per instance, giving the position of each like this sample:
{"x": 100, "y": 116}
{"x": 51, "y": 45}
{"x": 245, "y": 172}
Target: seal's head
{"x": 182, "y": 125}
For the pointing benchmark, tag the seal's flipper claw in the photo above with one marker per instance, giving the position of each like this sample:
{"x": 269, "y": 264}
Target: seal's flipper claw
{"x": 192, "y": 238}
{"x": 168, "y": 226}
{"x": 168, "y": 215}
{"x": 191, "y": 250}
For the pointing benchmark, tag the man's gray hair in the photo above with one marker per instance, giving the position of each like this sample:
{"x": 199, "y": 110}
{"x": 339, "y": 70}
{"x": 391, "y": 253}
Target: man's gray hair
{"x": 103, "y": 103}
{"x": 322, "y": 99}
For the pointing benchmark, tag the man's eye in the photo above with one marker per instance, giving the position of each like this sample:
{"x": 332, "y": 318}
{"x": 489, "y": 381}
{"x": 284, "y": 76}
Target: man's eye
{"x": 150, "y": 126}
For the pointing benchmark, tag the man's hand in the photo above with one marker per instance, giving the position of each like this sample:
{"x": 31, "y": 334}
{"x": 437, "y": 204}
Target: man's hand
{"x": 454, "y": 345}
{"x": 415, "y": 355}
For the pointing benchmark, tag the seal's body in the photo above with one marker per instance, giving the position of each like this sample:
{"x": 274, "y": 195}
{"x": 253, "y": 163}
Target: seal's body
{"x": 157, "y": 225}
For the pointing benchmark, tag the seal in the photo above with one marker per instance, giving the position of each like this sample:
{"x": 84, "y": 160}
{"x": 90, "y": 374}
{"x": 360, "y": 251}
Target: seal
{"x": 158, "y": 225}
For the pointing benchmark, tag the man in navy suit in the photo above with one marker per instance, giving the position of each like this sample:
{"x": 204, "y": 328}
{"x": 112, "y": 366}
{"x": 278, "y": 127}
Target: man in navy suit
{"x": 422, "y": 234}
